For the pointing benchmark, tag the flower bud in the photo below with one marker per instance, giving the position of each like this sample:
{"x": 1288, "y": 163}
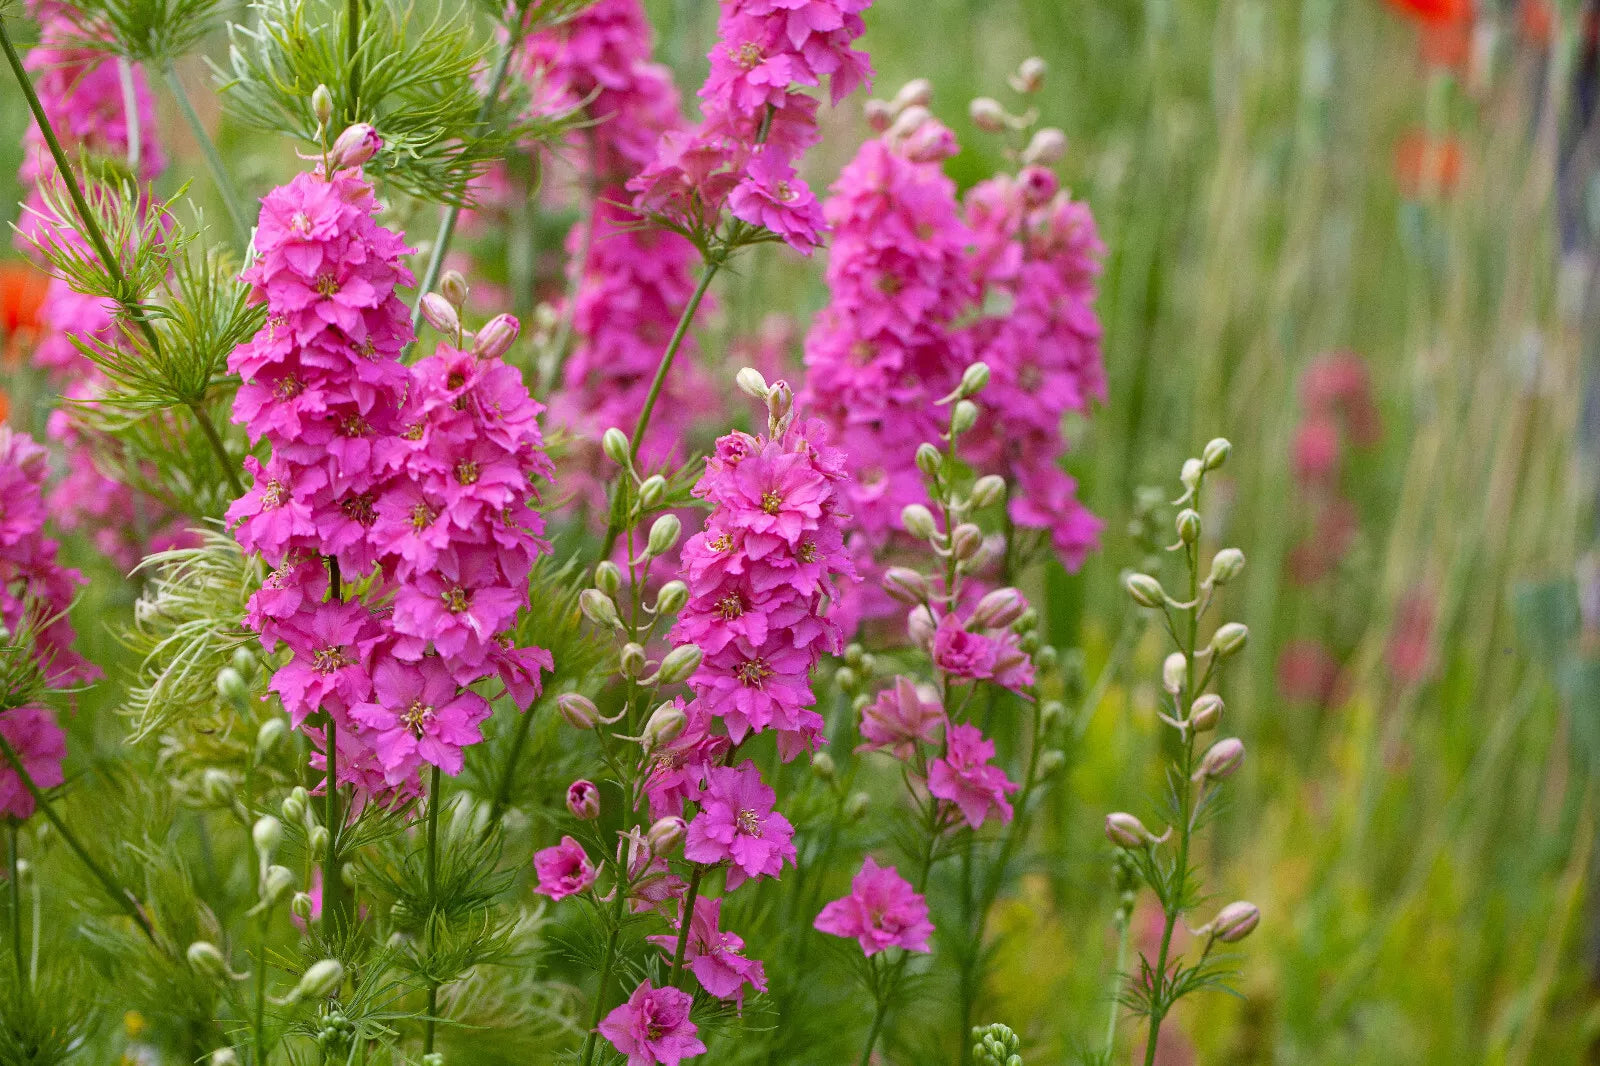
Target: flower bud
{"x": 929, "y": 459}
{"x": 918, "y": 521}
{"x": 294, "y": 805}
{"x": 1226, "y": 565}
{"x": 454, "y": 288}
{"x": 300, "y": 906}
{"x": 277, "y": 882}
{"x": 496, "y": 337}
{"x": 440, "y": 314}
{"x": 349, "y": 873}
{"x": 665, "y": 725}
{"x": 583, "y": 800}
{"x": 321, "y": 105}
{"x": 652, "y": 491}
{"x": 1029, "y": 77}
{"x": 1126, "y": 831}
{"x": 966, "y": 540}
{"x": 905, "y": 585}
{"x": 964, "y": 417}
{"x": 673, "y": 595}
{"x": 231, "y": 685}
{"x": 847, "y": 679}
{"x": 355, "y": 146}
{"x": 679, "y": 664}
{"x": 217, "y": 787}
{"x": 224, "y": 1056}
{"x": 1189, "y": 476}
{"x": 632, "y": 659}
{"x": 998, "y": 609}
{"x": 751, "y": 383}
{"x": 878, "y": 115}
{"x": 1221, "y": 760}
{"x": 1236, "y": 921}
{"x": 664, "y": 533}
{"x": 1051, "y": 714}
{"x": 1188, "y": 524}
{"x": 317, "y": 841}
{"x": 822, "y": 765}
{"x": 1145, "y": 590}
{"x": 267, "y": 834}
{"x": 914, "y": 93}
{"x": 855, "y": 808}
{"x": 578, "y": 710}
{"x": 907, "y": 122}
{"x": 1206, "y": 712}
{"x": 1229, "y": 639}
{"x": 780, "y": 399}
{"x": 614, "y": 443}
{"x": 1174, "y": 672}
{"x": 322, "y": 979}
{"x": 608, "y": 577}
{"x": 268, "y": 736}
{"x": 207, "y": 960}
{"x": 1046, "y": 148}
{"x": 1216, "y": 452}
{"x": 973, "y": 379}
{"x": 920, "y": 626}
{"x": 987, "y": 114}
{"x": 665, "y": 837}
{"x": 1051, "y": 762}
{"x": 244, "y": 661}
{"x": 987, "y": 491}
{"x": 599, "y": 608}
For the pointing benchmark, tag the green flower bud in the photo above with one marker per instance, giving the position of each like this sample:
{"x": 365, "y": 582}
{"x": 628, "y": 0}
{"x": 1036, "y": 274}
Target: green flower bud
{"x": 918, "y": 521}
{"x": 665, "y": 725}
{"x": 966, "y": 540}
{"x": 1051, "y": 762}
{"x": 1051, "y": 714}
{"x": 664, "y": 533}
{"x": 631, "y": 661}
{"x": 930, "y": 460}
{"x": 652, "y": 491}
{"x": 679, "y": 664}
{"x": 1216, "y": 452}
{"x": 988, "y": 491}
{"x": 272, "y": 731}
{"x": 822, "y": 765}
{"x": 267, "y": 834}
{"x": 578, "y": 710}
{"x": 1126, "y": 831}
{"x": 1145, "y": 590}
{"x": 317, "y": 840}
{"x": 751, "y": 383}
{"x": 231, "y": 685}
{"x": 973, "y": 379}
{"x": 293, "y": 808}
{"x": 1229, "y": 639}
{"x": 673, "y": 595}
{"x": 276, "y": 883}
{"x": 322, "y": 979}
{"x": 1206, "y": 712}
{"x": 1189, "y": 476}
{"x": 207, "y": 960}
{"x": 1236, "y": 921}
{"x": 665, "y": 837}
{"x": 1174, "y": 672}
{"x": 322, "y": 105}
{"x": 614, "y": 443}
{"x": 906, "y": 585}
{"x": 300, "y": 906}
{"x": 964, "y": 417}
{"x": 1188, "y": 523}
{"x": 599, "y": 608}
{"x": 608, "y": 577}
{"x": 847, "y": 680}
{"x": 224, "y": 1056}
{"x": 1226, "y": 565}
{"x": 855, "y": 808}
{"x": 217, "y": 787}
{"x": 244, "y": 661}
{"x": 454, "y": 288}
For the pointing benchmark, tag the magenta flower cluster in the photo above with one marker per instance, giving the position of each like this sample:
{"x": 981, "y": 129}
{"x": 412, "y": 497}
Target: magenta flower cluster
{"x": 418, "y": 480}
{"x": 35, "y": 593}
{"x": 757, "y": 120}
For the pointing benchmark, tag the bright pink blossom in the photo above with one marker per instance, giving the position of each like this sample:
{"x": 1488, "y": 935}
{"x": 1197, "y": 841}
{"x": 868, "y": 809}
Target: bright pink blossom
{"x": 715, "y": 955}
{"x": 899, "y": 719}
{"x": 563, "y": 870}
{"x": 737, "y": 825}
{"x": 881, "y": 911}
{"x": 653, "y": 1026}
{"x": 966, "y": 776}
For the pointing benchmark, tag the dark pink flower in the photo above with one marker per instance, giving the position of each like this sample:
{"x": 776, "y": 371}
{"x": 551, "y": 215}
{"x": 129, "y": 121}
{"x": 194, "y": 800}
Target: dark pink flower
{"x": 653, "y": 1026}
{"x": 420, "y": 715}
{"x": 899, "y": 719}
{"x": 961, "y": 653}
{"x": 714, "y": 955}
{"x": 967, "y": 777}
{"x": 40, "y": 746}
{"x": 881, "y": 911}
{"x": 737, "y": 825}
{"x": 563, "y": 870}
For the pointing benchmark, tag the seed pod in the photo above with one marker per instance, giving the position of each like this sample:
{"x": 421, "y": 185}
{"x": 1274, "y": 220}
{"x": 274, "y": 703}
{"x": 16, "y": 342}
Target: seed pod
{"x": 578, "y": 710}
{"x": 1145, "y": 590}
{"x": 440, "y": 314}
{"x": 664, "y": 533}
{"x": 496, "y": 337}
{"x": 608, "y": 577}
{"x": 1226, "y": 565}
{"x": 918, "y": 521}
{"x": 1221, "y": 760}
{"x": 583, "y": 800}
{"x": 679, "y": 664}
{"x": 614, "y": 443}
{"x": 356, "y": 145}
{"x": 266, "y": 834}
{"x": 1236, "y": 921}
{"x": 599, "y": 608}
{"x": 322, "y": 979}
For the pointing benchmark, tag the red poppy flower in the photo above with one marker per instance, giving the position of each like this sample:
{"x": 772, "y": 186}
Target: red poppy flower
{"x": 1435, "y": 12}
{"x": 22, "y": 290}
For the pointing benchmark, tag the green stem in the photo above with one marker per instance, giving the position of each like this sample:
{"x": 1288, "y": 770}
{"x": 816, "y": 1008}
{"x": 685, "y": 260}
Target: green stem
{"x": 872, "y": 1037}
{"x": 14, "y": 888}
{"x": 261, "y": 989}
{"x": 123, "y": 897}
{"x": 433, "y": 892}
{"x": 707, "y": 272}
{"x": 229, "y": 193}
{"x": 229, "y": 467}
{"x": 605, "y": 975}
{"x": 352, "y": 36}
{"x": 502, "y": 792}
{"x": 1123, "y": 927}
{"x": 452, "y": 212}
{"x": 333, "y": 902}
{"x": 685, "y": 923}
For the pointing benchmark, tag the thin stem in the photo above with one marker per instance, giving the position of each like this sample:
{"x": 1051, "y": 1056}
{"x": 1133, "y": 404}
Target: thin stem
{"x": 685, "y": 923}
{"x": 261, "y": 988}
{"x": 451, "y": 213}
{"x": 707, "y": 272}
{"x": 332, "y": 885}
{"x": 229, "y": 467}
{"x": 502, "y": 792}
{"x": 872, "y": 1036}
{"x": 1124, "y": 926}
{"x": 229, "y": 193}
{"x": 14, "y": 889}
{"x": 123, "y": 897}
{"x": 130, "y": 113}
{"x": 433, "y": 892}
{"x": 352, "y": 36}
{"x": 605, "y": 975}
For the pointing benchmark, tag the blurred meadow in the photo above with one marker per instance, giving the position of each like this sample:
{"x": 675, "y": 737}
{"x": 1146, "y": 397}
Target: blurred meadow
{"x": 1354, "y": 246}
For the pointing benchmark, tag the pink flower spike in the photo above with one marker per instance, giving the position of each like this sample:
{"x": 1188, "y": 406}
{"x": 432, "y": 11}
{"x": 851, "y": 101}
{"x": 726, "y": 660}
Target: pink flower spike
{"x": 563, "y": 870}
{"x": 881, "y": 911}
{"x": 653, "y": 1026}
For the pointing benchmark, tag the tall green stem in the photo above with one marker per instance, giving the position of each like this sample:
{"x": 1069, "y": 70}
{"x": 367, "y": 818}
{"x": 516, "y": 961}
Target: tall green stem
{"x": 502, "y": 792}
{"x": 433, "y": 893}
{"x": 352, "y": 38}
{"x": 618, "y": 507}
{"x": 14, "y": 890}
{"x": 1124, "y": 925}
{"x": 333, "y": 901}
{"x": 231, "y": 201}
{"x": 605, "y": 974}
{"x": 685, "y": 923}
{"x": 123, "y": 897}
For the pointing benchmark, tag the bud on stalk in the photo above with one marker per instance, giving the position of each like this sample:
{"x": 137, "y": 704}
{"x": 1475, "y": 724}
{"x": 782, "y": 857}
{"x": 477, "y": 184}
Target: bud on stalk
{"x": 680, "y": 664}
{"x": 998, "y": 609}
{"x": 1146, "y": 590}
{"x": 664, "y": 533}
{"x": 1221, "y": 760}
{"x": 665, "y": 837}
{"x": 583, "y": 800}
{"x": 905, "y": 585}
{"x": 355, "y": 146}
{"x": 1225, "y": 566}
{"x": 665, "y": 725}
{"x": 598, "y": 608}
{"x": 614, "y": 443}
{"x": 438, "y": 313}
{"x": 578, "y": 710}
{"x": 751, "y": 383}
{"x": 1235, "y": 922}
{"x": 322, "y": 979}
{"x": 1126, "y": 831}
{"x": 918, "y": 521}
{"x": 496, "y": 337}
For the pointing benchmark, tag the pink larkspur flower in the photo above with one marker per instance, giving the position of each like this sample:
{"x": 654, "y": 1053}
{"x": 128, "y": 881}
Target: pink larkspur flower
{"x": 966, "y": 776}
{"x": 714, "y": 955}
{"x": 40, "y": 746}
{"x": 737, "y": 825}
{"x": 882, "y": 911}
{"x": 562, "y": 870}
{"x": 653, "y": 1026}
{"x": 899, "y": 719}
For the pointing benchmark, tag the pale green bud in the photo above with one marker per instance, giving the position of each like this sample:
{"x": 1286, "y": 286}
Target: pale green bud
{"x": 244, "y": 661}
{"x": 652, "y": 491}
{"x": 929, "y": 459}
{"x": 987, "y": 114}
{"x": 1189, "y": 476}
{"x": 973, "y": 379}
{"x": 1145, "y": 590}
{"x": 918, "y": 521}
{"x": 217, "y": 787}
{"x": 276, "y": 883}
{"x": 964, "y": 417}
{"x": 1051, "y": 762}
{"x": 454, "y": 288}
{"x": 224, "y": 1056}
{"x": 578, "y": 710}
{"x": 665, "y": 725}
{"x": 322, "y": 979}
{"x": 608, "y": 577}
{"x": 322, "y": 105}
{"x": 1216, "y": 453}
{"x": 855, "y": 808}
{"x": 680, "y": 664}
{"x": 1236, "y": 921}
{"x": 1174, "y": 672}
{"x": 673, "y": 595}
{"x": 1229, "y": 639}
{"x": 822, "y": 765}
{"x": 906, "y": 585}
{"x": 207, "y": 960}
{"x": 1126, "y": 831}
{"x": 1206, "y": 712}
{"x": 294, "y": 805}
{"x": 599, "y": 608}
{"x": 615, "y": 444}
{"x": 268, "y": 737}
{"x": 1188, "y": 524}
{"x": 988, "y": 491}
{"x": 664, "y": 533}
{"x": 267, "y": 834}
{"x": 300, "y": 906}
{"x": 632, "y": 659}
{"x": 751, "y": 383}
{"x": 317, "y": 840}
{"x": 231, "y": 685}
{"x": 1226, "y": 565}
{"x": 966, "y": 540}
